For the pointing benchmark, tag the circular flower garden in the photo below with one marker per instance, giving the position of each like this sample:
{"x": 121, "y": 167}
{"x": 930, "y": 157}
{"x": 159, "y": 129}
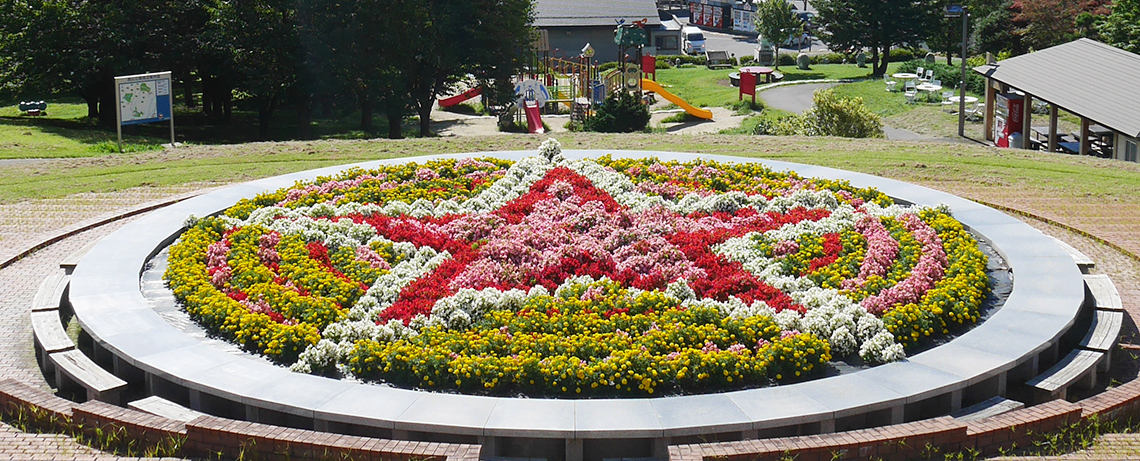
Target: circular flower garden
{"x": 548, "y": 276}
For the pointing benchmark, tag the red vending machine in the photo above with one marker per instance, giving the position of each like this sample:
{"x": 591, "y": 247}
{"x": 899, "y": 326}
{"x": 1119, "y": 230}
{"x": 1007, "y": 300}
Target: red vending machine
{"x": 1008, "y": 110}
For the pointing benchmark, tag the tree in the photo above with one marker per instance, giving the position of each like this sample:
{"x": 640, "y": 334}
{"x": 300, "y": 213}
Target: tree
{"x": 1046, "y": 23}
{"x": 848, "y": 25}
{"x": 446, "y": 39}
{"x": 776, "y": 21}
{"x": 1121, "y": 28}
{"x": 351, "y": 43}
{"x": 994, "y": 30}
{"x": 265, "y": 48}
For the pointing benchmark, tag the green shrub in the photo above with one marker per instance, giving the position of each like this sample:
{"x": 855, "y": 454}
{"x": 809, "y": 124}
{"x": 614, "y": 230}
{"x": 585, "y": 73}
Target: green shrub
{"x": 622, "y": 112}
{"x": 607, "y": 66}
{"x": 787, "y": 59}
{"x": 746, "y": 60}
{"x": 829, "y": 58}
{"x": 830, "y": 115}
{"x": 903, "y": 54}
{"x": 676, "y": 59}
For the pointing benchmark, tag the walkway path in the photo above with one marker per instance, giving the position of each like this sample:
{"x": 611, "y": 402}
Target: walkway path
{"x": 21, "y": 225}
{"x": 798, "y": 98}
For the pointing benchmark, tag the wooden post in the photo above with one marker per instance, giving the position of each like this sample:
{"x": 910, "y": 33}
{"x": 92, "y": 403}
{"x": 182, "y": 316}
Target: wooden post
{"x": 1052, "y": 127}
{"x": 1027, "y": 122}
{"x": 989, "y": 116}
{"x": 1084, "y": 136}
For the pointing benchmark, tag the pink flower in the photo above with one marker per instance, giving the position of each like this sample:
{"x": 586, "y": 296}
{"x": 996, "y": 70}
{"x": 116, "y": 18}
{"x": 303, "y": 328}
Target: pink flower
{"x": 367, "y": 254}
{"x": 784, "y": 248}
{"x": 926, "y": 272}
{"x": 426, "y": 174}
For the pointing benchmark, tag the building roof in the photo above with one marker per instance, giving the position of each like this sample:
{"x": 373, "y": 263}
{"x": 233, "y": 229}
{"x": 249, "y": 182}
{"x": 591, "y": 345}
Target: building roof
{"x": 593, "y": 13}
{"x": 1088, "y": 78}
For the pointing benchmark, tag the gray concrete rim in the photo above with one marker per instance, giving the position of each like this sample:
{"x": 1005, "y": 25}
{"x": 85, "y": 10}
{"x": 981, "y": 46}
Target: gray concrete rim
{"x": 1047, "y": 293}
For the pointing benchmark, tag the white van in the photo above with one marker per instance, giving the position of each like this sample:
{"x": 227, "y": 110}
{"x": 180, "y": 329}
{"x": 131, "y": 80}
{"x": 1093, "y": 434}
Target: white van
{"x": 692, "y": 40}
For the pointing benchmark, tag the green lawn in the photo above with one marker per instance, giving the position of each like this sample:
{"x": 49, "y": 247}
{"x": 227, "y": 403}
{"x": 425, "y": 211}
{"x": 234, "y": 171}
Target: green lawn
{"x": 1058, "y": 175}
{"x": 705, "y": 87}
{"x": 66, "y": 132}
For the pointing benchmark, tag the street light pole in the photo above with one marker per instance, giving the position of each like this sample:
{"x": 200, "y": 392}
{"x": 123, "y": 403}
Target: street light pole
{"x": 953, "y": 11}
{"x": 962, "y": 85}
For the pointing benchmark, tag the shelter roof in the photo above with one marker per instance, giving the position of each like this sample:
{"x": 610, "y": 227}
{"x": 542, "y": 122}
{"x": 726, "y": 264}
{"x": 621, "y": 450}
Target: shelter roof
{"x": 1085, "y": 77}
{"x": 592, "y": 13}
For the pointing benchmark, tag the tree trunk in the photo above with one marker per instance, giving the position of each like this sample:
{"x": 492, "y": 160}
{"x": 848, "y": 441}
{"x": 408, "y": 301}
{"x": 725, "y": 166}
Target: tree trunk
{"x": 107, "y": 102}
{"x": 425, "y": 118}
{"x": 366, "y": 113}
{"x": 304, "y": 103}
{"x": 264, "y": 114}
{"x": 92, "y": 100}
{"x": 208, "y": 96}
{"x": 395, "y": 125}
{"x": 188, "y": 91}
{"x": 881, "y": 68}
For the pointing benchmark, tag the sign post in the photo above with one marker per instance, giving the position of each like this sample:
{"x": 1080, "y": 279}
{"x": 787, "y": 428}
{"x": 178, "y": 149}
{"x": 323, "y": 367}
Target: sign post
{"x": 144, "y": 98}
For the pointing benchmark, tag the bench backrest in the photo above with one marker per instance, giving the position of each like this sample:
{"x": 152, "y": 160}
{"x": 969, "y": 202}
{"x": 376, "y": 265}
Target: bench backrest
{"x": 716, "y": 57}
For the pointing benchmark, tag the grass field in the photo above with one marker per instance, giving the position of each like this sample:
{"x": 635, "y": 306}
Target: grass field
{"x": 926, "y": 163}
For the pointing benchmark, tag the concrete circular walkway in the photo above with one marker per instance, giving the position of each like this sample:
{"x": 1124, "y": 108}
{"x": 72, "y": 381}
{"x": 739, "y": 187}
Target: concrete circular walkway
{"x": 20, "y": 228}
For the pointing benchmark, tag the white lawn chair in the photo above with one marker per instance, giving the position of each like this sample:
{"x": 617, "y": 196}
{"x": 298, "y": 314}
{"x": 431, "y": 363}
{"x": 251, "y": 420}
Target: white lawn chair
{"x": 947, "y": 104}
{"x": 920, "y": 73}
{"x": 976, "y": 112}
{"x": 891, "y": 84}
{"x": 929, "y": 75}
{"x": 911, "y": 92}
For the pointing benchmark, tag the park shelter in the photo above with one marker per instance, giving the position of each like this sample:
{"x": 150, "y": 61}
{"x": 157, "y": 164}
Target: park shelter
{"x": 568, "y": 25}
{"x": 1098, "y": 83}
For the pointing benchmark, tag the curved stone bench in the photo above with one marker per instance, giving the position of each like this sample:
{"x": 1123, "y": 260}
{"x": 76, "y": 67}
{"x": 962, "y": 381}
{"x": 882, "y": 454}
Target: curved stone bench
{"x": 1048, "y": 292}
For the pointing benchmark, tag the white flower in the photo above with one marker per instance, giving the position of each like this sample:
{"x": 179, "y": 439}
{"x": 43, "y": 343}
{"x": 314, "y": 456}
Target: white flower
{"x": 550, "y": 149}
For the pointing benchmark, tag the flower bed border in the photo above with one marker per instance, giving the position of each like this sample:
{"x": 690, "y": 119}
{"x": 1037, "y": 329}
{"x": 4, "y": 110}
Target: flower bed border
{"x": 1047, "y": 294}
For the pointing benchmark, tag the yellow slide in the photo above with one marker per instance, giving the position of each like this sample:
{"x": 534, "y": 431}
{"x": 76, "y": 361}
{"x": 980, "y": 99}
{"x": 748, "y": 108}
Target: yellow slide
{"x": 650, "y": 85}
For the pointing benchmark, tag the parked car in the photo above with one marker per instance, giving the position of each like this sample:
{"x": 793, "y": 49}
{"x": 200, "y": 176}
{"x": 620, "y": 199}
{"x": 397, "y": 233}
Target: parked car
{"x": 692, "y": 40}
{"x": 808, "y": 18}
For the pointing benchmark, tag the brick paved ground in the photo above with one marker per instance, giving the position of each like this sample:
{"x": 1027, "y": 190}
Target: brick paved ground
{"x": 27, "y": 222}
{"x": 21, "y": 225}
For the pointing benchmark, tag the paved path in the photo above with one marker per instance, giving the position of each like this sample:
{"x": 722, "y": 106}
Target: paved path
{"x": 798, "y": 98}
{"x": 793, "y": 98}
{"x": 18, "y": 285}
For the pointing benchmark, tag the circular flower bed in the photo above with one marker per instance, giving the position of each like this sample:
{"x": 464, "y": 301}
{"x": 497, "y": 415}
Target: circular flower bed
{"x": 576, "y": 277}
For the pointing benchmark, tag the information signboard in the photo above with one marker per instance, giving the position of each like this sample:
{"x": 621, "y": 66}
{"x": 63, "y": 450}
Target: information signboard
{"x": 144, "y": 98}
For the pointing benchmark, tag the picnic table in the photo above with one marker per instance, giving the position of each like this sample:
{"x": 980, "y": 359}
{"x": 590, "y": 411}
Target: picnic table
{"x": 759, "y": 70}
{"x": 930, "y": 88}
{"x": 905, "y": 76}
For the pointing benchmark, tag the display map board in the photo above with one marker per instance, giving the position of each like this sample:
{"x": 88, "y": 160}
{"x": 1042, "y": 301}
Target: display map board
{"x": 144, "y": 98}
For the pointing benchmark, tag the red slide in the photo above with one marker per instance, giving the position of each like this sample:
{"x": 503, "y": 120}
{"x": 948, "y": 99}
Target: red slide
{"x": 533, "y": 119}
{"x": 448, "y": 102}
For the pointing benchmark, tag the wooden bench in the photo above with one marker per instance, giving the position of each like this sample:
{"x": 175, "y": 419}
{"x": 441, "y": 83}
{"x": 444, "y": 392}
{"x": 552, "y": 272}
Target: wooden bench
{"x": 717, "y": 60}
{"x": 50, "y": 294}
{"x": 75, "y": 367}
{"x": 1084, "y": 263}
{"x": 159, "y": 406}
{"x": 1103, "y": 334}
{"x": 49, "y": 337}
{"x": 996, "y": 405}
{"x": 1104, "y": 292}
{"x": 1077, "y": 368}
{"x": 68, "y": 264}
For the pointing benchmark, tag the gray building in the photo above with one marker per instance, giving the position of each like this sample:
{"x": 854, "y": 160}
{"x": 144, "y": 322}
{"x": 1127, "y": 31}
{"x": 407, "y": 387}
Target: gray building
{"x": 568, "y": 25}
